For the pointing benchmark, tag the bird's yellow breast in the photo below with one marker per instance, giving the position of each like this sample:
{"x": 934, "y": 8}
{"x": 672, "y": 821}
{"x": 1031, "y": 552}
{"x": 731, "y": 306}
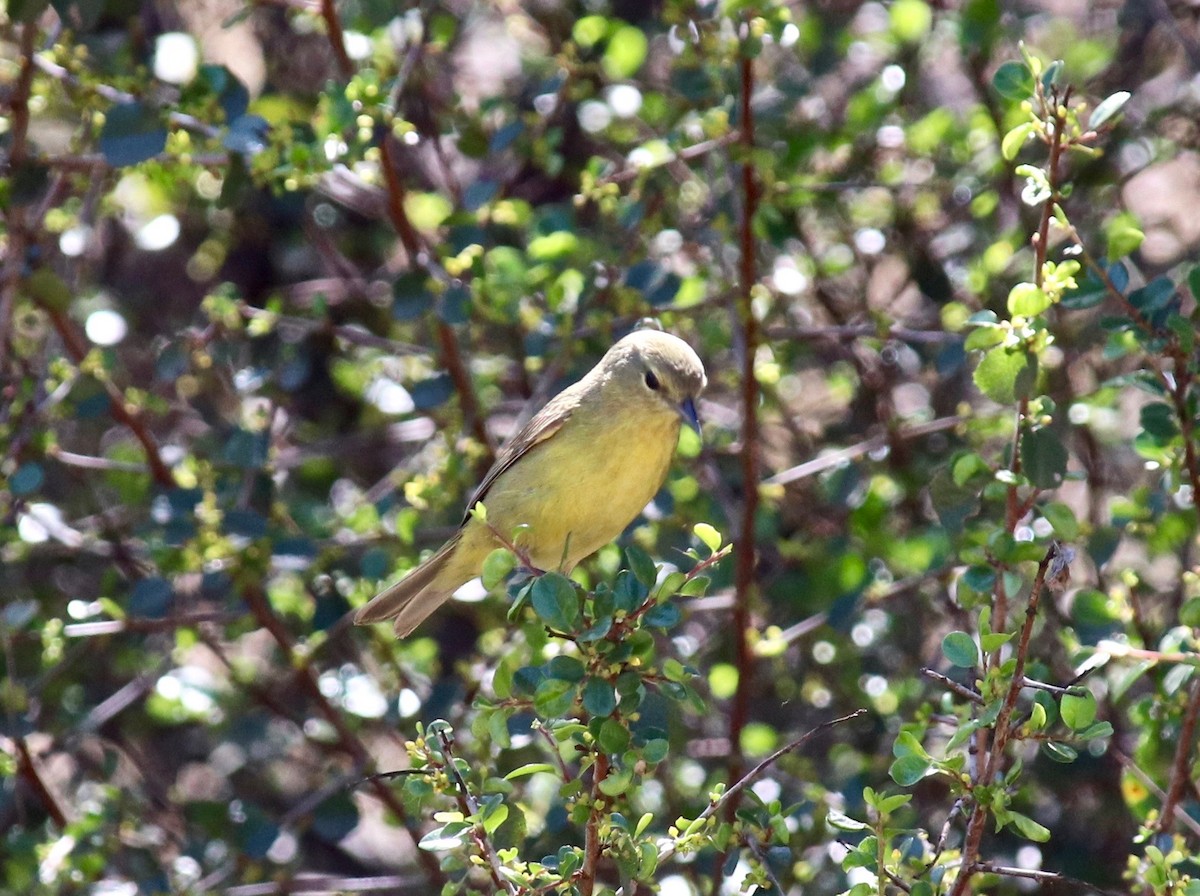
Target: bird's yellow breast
{"x": 578, "y": 489}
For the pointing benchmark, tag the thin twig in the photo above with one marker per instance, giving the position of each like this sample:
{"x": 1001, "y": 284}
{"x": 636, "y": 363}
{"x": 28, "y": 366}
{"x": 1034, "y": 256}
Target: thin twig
{"x": 833, "y": 459}
{"x": 305, "y": 677}
{"x": 421, "y": 257}
{"x": 688, "y": 153}
{"x": 1181, "y": 766}
{"x": 668, "y": 848}
{"x": 1181, "y": 815}
{"x": 27, "y": 770}
{"x": 951, "y": 685}
{"x": 1043, "y": 876}
{"x": 470, "y": 806}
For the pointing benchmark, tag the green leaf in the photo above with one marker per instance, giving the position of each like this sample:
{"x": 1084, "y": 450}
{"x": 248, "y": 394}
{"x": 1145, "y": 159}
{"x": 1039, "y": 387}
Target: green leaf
{"x": 1005, "y": 373}
{"x": 617, "y": 783}
{"x": 1037, "y": 717}
{"x": 1062, "y": 518}
{"x": 568, "y": 668}
{"x": 494, "y": 818}
{"x": 906, "y": 744}
{"x": 1096, "y": 729}
{"x": 952, "y": 502}
{"x": 1044, "y": 458}
{"x": 531, "y": 768}
{"x": 841, "y": 822}
{"x": 1078, "y": 712}
{"x": 641, "y": 565}
{"x": 448, "y": 836}
{"x": 1027, "y": 300}
{"x": 959, "y": 648}
{"x": 554, "y": 697}
{"x": 49, "y": 289}
{"x": 664, "y": 615}
{"x": 132, "y": 133}
{"x": 655, "y": 750}
{"x": 709, "y": 536}
{"x": 599, "y": 697}
{"x": 1012, "y": 142}
{"x": 555, "y": 601}
{"x": 614, "y": 737}
{"x": 1029, "y": 828}
{"x": 1123, "y": 236}
{"x": 1060, "y": 752}
{"x": 1107, "y": 108}
{"x": 1159, "y": 422}
{"x": 908, "y": 770}
{"x": 1014, "y": 81}
{"x": 994, "y": 641}
{"x": 496, "y": 567}
{"x": 984, "y": 337}
{"x": 981, "y": 579}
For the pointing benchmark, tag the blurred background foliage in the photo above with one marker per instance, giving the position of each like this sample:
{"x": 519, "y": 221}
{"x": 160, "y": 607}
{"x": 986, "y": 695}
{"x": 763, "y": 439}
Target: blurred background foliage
{"x": 278, "y": 277}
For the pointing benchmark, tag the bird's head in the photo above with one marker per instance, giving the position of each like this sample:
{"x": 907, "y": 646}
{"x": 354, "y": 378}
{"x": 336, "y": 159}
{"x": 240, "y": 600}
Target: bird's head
{"x": 655, "y": 369}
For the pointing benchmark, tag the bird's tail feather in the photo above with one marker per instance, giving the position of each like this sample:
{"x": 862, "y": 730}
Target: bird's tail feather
{"x": 415, "y": 596}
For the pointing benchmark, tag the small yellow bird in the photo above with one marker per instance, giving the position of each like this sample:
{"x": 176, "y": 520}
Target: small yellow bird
{"x": 576, "y": 475}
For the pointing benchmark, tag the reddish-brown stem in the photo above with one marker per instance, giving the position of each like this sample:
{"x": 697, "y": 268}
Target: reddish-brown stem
{"x": 745, "y": 548}
{"x": 591, "y": 844}
{"x": 414, "y": 245}
{"x": 337, "y": 40}
{"x": 129, "y": 417}
{"x": 1182, "y": 763}
{"x": 27, "y": 771}
{"x": 989, "y": 763}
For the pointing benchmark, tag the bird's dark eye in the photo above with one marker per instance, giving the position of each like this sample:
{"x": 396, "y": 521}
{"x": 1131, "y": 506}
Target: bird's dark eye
{"x": 652, "y": 380}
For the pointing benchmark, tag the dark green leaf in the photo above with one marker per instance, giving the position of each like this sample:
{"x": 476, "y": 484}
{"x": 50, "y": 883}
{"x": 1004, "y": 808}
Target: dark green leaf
{"x": 132, "y": 133}
{"x": 1060, "y": 752}
{"x": 556, "y": 601}
{"x": 28, "y": 478}
{"x": 641, "y": 565}
{"x": 908, "y": 770}
{"x": 1159, "y": 422}
{"x": 599, "y": 697}
{"x": 431, "y": 392}
{"x": 614, "y": 737}
{"x": 664, "y": 615}
{"x": 1044, "y": 458}
{"x": 554, "y": 698}
{"x": 1014, "y": 81}
{"x": 959, "y": 648}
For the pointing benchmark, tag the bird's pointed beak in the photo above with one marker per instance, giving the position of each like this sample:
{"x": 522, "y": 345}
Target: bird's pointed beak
{"x": 687, "y": 410}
